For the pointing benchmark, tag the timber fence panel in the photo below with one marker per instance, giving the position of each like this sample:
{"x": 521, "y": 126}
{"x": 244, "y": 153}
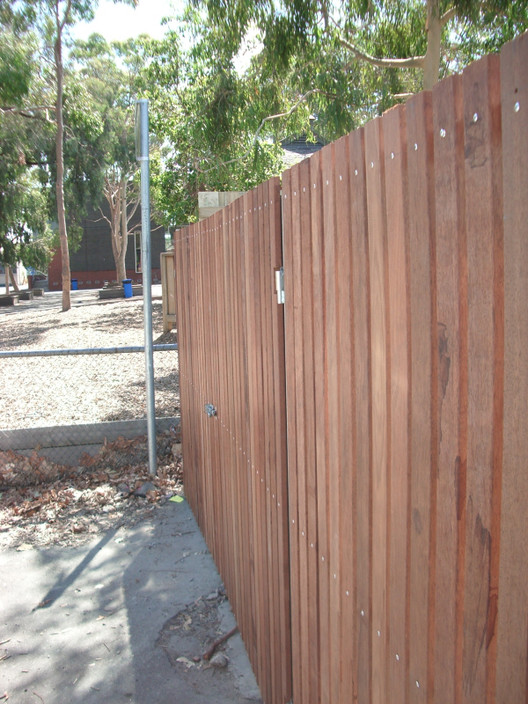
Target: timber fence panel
{"x": 360, "y": 506}
{"x": 399, "y": 383}
{"x": 387, "y": 563}
{"x": 422, "y": 393}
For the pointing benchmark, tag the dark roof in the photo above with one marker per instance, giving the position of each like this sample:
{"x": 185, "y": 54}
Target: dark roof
{"x": 296, "y": 150}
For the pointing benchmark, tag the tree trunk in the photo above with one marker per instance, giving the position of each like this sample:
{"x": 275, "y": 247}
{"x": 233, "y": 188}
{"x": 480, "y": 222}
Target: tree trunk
{"x": 59, "y": 142}
{"x": 434, "y": 36}
{"x": 12, "y": 277}
{"x": 120, "y": 261}
{"x": 7, "y": 269}
{"x": 116, "y": 194}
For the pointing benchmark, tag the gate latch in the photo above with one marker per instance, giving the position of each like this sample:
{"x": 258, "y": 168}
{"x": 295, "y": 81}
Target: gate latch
{"x": 279, "y": 285}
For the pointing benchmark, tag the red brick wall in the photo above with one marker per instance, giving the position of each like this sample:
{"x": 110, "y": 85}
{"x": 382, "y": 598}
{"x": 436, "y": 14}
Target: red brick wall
{"x": 91, "y": 279}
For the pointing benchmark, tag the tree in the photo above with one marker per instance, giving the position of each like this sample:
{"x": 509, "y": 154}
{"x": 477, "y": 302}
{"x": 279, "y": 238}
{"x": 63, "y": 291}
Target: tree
{"x": 25, "y": 235}
{"x": 122, "y": 212}
{"x": 318, "y": 67}
{"x": 61, "y": 20}
{"x": 53, "y": 18}
{"x": 107, "y": 75}
{"x": 29, "y": 238}
{"x": 361, "y": 56}
{"x": 203, "y": 116}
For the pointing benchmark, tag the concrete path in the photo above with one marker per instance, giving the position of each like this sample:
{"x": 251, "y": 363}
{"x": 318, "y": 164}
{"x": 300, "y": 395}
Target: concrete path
{"x": 119, "y": 619}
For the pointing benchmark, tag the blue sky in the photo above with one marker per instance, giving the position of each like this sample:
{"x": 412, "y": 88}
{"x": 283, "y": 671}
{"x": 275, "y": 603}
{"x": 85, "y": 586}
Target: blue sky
{"x": 117, "y": 22}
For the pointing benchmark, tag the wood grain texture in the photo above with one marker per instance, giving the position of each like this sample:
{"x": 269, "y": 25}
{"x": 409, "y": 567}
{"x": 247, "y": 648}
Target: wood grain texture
{"x": 236, "y": 460}
{"x": 397, "y": 214}
{"x": 362, "y": 409}
{"x": 423, "y": 418}
{"x": 380, "y": 410}
{"x": 484, "y": 245}
{"x": 451, "y": 316}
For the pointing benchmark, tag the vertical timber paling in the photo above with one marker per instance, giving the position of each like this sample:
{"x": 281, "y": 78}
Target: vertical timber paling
{"x": 512, "y": 641}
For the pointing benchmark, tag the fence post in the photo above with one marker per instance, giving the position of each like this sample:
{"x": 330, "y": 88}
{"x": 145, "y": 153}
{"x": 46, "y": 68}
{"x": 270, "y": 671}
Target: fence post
{"x": 142, "y": 155}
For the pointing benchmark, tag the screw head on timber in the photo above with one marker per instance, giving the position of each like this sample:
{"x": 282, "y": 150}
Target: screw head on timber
{"x": 210, "y": 410}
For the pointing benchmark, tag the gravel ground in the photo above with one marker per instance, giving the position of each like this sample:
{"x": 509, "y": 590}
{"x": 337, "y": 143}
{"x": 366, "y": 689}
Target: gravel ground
{"x": 42, "y": 503}
{"x": 50, "y": 391}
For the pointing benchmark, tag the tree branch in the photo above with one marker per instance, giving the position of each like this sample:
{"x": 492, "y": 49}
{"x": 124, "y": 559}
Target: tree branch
{"x": 135, "y": 206}
{"x": 447, "y": 16}
{"x": 103, "y": 217}
{"x": 411, "y": 62}
{"x": 66, "y": 15}
{"x": 27, "y": 112}
{"x": 289, "y": 112}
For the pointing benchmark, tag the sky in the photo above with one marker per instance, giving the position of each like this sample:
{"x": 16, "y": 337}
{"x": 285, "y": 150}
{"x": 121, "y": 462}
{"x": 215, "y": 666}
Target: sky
{"x": 117, "y": 22}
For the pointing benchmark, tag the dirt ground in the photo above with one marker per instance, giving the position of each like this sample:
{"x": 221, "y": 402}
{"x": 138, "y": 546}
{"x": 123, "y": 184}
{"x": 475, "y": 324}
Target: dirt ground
{"x": 136, "y": 614}
{"x": 48, "y": 391}
{"x": 43, "y": 503}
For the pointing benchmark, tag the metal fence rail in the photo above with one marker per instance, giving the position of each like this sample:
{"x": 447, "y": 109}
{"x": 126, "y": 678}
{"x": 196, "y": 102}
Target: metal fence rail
{"x": 86, "y": 350}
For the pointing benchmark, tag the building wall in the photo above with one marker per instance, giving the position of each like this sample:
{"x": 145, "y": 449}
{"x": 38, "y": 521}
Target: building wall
{"x": 93, "y": 263}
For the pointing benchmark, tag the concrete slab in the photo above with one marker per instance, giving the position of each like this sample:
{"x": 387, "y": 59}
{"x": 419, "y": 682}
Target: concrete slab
{"x": 85, "y": 624}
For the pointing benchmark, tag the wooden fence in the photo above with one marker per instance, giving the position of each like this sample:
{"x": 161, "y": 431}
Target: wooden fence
{"x": 382, "y": 427}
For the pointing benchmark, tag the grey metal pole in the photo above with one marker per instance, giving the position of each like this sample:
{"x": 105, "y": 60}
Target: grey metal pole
{"x": 143, "y": 158}
{"x": 86, "y": 351}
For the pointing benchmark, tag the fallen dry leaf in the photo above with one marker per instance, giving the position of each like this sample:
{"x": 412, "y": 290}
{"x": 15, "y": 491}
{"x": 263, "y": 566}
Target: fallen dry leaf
{"x": 43, "y": 503}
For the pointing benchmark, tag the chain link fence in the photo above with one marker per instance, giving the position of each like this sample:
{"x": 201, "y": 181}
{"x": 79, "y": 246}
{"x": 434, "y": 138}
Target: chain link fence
{"x": 72, "y": 383}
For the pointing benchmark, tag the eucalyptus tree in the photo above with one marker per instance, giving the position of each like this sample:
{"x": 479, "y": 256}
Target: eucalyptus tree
{"x": 53, "y": 20}
{"x": 354, "y": 58}
{"x": 106, "y": 72}
{"x": 204, "y": 115}
{"x": 24, "y": 132}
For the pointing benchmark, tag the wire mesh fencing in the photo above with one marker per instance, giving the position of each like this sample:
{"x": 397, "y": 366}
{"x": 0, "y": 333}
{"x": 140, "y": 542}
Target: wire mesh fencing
{"x": 73, "y": 383}
{"x": 67, "y": 403}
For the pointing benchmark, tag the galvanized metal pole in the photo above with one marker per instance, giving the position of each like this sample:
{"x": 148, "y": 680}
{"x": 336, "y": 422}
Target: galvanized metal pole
{"x": 142, "y": 146}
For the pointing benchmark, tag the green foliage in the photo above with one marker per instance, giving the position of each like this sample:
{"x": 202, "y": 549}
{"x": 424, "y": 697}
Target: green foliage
{"x": 107, "y": 81}
{"x": 203, "y": 116}
{"x": 15, "y": 70}
{"x": 306, "y": 45}
{"x": 484, "y": 27}
{"x": 31, "y": 43}
{"x": 209, "y": 115}
{"x": 24, "y": 231}
{"x": 25, "y": 234}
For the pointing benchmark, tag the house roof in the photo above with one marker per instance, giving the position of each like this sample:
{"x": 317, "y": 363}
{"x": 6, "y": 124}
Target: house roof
{"x": 296, "y": 150}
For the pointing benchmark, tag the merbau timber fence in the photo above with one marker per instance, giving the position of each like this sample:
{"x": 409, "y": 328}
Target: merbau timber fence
{"x": 357, "y": 457}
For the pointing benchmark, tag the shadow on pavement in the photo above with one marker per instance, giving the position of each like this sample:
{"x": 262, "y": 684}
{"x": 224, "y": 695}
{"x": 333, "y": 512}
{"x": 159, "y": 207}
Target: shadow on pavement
{"x": 116, "y": 615}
